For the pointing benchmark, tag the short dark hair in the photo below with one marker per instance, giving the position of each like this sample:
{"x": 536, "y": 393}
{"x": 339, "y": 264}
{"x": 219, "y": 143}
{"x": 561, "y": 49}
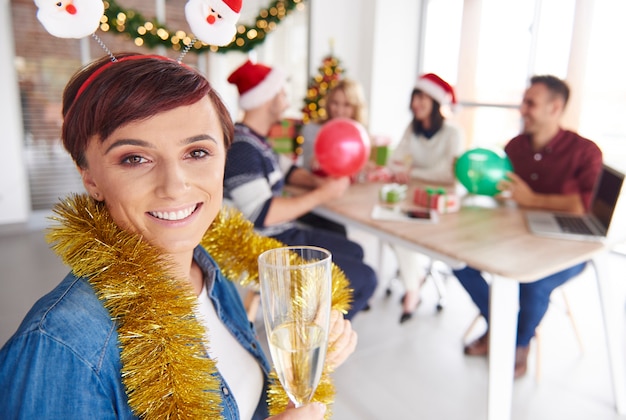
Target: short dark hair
{"x": 127, "y": 91}
{"x": 555, "y": 85}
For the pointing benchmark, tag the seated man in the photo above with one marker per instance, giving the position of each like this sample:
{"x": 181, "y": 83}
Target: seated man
{"x": 554, "y": 169}
{"x": 253, "y": 180}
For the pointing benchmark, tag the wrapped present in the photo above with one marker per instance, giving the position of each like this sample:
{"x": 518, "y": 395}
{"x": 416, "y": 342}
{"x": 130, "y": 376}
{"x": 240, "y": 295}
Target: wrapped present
{"x": 380, "y": 155}
{"x": 437, "y": 199}
{"x": 284, "y": 137}
{"x": 392, "y": 193}
{"x": 380, "y": 149}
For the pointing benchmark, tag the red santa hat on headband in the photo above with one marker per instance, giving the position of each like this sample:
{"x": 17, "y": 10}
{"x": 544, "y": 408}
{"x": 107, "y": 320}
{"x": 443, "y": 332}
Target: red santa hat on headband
{"x": 256, "y": 84}
{"x": 437, "y": 88}
{"x": 213, "y": 21}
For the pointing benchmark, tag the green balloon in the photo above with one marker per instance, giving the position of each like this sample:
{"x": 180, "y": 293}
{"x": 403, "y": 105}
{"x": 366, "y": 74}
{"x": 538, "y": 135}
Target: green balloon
{"x": 479, "y": 170}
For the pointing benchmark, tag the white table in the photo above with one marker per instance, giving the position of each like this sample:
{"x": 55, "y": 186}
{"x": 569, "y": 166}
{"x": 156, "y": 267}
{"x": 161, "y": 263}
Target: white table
{"x": 494, "y": 240}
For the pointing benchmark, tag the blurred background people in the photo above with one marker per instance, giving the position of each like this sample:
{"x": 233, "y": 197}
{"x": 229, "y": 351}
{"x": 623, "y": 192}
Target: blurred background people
{"x": 554, "y": 169}
{"x": 254, "y": 181}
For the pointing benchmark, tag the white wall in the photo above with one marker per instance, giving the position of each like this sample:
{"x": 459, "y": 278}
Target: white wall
{"x": 377, "y": 45}
{"x": 14, "y": 196}
{"x": 393, "y": 64}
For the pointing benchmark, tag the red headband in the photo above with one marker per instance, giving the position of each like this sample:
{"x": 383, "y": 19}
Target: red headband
{"x": 114, "y": 60}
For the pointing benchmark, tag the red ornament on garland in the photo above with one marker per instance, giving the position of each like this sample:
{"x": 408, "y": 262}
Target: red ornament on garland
{"x": 342, "y": 147}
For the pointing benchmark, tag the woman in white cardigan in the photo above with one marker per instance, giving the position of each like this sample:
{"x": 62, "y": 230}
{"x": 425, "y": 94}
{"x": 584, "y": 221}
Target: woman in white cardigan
{"x": 426, "y": 152}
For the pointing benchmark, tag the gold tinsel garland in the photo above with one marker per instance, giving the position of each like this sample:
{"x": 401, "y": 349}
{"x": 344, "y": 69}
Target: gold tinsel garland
{"x": 164, "y": 366}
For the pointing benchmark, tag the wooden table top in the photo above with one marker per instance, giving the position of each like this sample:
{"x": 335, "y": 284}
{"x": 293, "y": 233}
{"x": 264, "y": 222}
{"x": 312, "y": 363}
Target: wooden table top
{"x": 492, "y": 239}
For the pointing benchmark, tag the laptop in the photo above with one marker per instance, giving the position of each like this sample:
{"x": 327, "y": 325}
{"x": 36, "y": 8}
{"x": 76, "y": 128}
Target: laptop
{"x": 606, "y": 218}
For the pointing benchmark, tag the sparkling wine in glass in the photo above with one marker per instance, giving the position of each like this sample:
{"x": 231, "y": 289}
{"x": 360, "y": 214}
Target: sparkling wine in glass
{"x": 295, "y": 298}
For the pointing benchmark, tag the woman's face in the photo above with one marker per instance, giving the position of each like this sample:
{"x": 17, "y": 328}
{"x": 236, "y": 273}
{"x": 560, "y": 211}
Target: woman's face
{"x": 162, "y": 177}
{"x": 422, "y": 106}
{"x": 338, "y": 106}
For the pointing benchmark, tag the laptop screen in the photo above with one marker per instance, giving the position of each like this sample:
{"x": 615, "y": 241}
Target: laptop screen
{"x": 606, "y": 195}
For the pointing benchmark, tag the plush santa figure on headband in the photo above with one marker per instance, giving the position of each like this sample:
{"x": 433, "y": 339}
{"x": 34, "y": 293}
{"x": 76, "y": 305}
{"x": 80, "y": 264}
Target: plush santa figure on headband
{"x": 213, "y": 21}
{"x": 70, "y": 18}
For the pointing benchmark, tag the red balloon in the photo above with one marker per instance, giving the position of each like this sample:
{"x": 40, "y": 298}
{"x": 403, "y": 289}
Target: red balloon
{"x": 342, "y": 147}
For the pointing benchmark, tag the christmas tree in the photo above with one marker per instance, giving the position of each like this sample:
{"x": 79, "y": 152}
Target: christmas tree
{"x": 314, "y": 104}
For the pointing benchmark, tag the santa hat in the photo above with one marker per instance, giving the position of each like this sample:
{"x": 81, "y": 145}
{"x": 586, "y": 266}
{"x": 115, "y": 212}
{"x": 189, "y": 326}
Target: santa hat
{"x": 437, "y": 88}
{"x": 228, "y": 9}
{"x": 256, "y": 83}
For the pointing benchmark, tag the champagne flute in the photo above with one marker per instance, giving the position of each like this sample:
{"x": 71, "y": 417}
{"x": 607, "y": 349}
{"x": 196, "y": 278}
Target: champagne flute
{"x": 295, "y": 298}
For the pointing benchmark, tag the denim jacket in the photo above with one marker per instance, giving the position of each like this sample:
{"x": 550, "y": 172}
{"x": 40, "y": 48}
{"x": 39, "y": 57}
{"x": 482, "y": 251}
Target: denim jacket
{"x": 64, "y": 360}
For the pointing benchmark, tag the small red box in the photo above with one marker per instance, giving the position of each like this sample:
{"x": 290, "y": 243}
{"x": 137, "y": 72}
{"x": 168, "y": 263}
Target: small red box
{"x": 437, "y": 199}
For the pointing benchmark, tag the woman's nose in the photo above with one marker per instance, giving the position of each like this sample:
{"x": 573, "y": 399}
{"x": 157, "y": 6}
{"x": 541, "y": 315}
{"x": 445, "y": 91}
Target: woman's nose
{"x": 172, "y": 178}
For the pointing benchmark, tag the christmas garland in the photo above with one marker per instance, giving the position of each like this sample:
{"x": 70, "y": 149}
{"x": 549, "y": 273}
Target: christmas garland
{"x": 150, "y": 33}
{"x": 164, "y": 368}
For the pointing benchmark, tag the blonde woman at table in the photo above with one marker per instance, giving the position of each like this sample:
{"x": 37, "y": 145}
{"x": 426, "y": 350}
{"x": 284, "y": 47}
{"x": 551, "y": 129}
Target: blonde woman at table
{"x": 426, "y": 152}
{"x": 554, "y": 169}
{"x": 344, "y": 100}
{"x": 146, "y": 325}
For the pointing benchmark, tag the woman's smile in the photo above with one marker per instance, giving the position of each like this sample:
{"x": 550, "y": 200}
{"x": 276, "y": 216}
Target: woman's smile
{"x": 174, "y": 215}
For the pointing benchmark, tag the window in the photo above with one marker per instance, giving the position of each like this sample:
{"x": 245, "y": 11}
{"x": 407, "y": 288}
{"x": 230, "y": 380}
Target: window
{"x": 603, "y": 110}
{"x": 499, "y": 45}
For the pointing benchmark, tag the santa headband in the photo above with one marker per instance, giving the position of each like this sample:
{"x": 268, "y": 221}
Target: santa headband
{"x": 437, "y": 88}
{"x": 256, "y": 84}
{"x": 211, "y": 21}
{"x": 99, "y": 70}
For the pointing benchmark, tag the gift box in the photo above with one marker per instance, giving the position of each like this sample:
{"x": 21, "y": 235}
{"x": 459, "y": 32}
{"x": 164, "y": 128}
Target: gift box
{"x": 284, "y": 136}
{"x": 380, "y": 155}
{"x": 437, "y": 199}
{"x": 392, "y": 193}
{"x": 380, "y": 150}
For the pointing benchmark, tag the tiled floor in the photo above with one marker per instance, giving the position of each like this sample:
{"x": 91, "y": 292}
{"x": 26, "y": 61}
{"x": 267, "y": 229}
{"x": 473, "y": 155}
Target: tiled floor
{"x": 410, "y": 371}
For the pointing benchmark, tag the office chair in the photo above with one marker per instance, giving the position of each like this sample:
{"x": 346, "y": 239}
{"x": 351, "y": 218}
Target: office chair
{"x": 437, "y": 271}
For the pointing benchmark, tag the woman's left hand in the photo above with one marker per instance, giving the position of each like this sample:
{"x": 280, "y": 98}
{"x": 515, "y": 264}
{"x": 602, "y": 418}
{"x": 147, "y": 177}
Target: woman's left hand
{"x": 341, "y": 340}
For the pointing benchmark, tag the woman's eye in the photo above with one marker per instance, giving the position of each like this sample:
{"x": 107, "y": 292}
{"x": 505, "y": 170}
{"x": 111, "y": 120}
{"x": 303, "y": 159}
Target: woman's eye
{"x": 199, "y": 153}
{"x": 134, "y": 160}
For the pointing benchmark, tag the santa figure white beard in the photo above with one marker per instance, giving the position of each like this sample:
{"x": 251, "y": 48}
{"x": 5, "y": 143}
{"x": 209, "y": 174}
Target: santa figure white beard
{"x": 70, "y": 19}
{"x": 220, "y": 32}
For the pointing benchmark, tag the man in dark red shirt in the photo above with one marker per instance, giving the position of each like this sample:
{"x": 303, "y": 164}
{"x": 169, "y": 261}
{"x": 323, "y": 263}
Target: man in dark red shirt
{"x": 554, "y": 169}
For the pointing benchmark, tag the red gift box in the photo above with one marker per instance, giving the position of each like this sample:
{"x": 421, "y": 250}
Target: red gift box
{"x": 437, "y": 199}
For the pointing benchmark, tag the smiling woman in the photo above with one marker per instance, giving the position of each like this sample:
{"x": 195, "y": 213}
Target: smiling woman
{"x": 146, "y": 324}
